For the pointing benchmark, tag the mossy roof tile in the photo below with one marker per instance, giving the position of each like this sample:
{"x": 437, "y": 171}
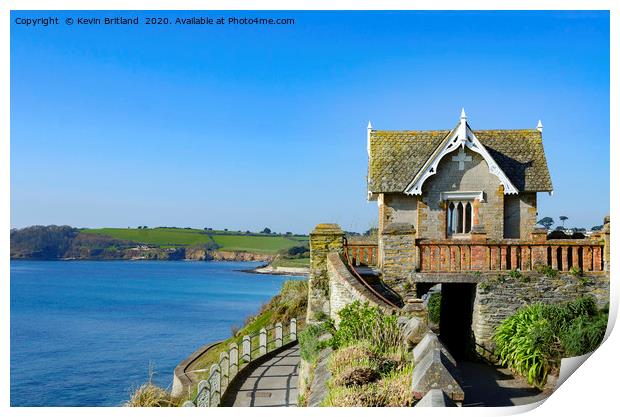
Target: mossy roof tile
{"x": 397, "y": 156}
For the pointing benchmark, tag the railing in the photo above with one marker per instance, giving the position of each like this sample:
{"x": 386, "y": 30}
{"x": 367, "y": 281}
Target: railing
{"x": 352, "y": 247}
{"x": 253, "y": 346}
{"x": 362, "y": 253}
{"x": 451, "y": 255}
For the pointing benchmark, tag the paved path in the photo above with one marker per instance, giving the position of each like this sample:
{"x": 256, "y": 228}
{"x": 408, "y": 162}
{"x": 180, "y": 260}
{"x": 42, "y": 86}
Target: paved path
{"x": 492, "y": 386}
{"x": 272, "y": 383}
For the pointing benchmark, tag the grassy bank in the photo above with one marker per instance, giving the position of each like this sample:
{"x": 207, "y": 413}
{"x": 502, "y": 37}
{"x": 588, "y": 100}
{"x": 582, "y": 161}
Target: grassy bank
{"x": 216, "y": 239}
{"x": 290, "y": 303}
{"x": 369, "y": 366}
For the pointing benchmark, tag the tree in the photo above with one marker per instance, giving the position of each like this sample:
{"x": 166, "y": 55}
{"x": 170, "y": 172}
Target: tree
{"x": 596, "y": 228}
{"x": 267, "y": 231}
{"x": 563, "y": 219}
{"x": 546, "y": 222}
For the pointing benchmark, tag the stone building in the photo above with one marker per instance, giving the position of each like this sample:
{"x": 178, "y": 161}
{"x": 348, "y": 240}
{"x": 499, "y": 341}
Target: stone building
{"x": 456, "y": 184}
{"x": 457, "y": 208}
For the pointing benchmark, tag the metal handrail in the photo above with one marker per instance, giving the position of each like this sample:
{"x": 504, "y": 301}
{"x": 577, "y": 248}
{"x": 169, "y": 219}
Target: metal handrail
{"x": 362, "y": 280}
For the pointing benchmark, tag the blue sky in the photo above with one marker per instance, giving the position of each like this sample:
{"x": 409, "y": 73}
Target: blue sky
{"x": 245, "y": 127}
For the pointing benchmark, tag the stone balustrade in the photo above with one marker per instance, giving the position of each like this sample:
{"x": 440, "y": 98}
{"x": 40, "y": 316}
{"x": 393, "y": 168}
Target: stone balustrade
{"x": 457, "y": 256}
{"x": 254, "y": 346}
{"x": 362, "y": 253}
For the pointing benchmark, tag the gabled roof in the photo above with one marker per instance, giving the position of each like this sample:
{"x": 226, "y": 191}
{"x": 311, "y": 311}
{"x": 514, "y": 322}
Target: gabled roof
{"x": 396, "y": 158}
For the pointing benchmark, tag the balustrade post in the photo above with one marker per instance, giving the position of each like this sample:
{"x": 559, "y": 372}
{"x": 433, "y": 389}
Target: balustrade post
{"x": 247, "y": 349}
{"x": 225, "y": 369}
{"x": 503, "y": 258}
{"x": 278, "y": 335}
{"x": 293, "y": 330}
{"x": 203, "y": 398}
{"x": 215, "y": 383}
{"x": 262, "y": 342}
{"x": 587, "y": 258}
{"x": 495, "y": 262}
{"x": 565, "y": 265}
{"x": 596, "y": 258}
{"x": 526, "y": 258}
{"x": 554, "y": 257}
{"x": 233, "y": 357}
{"x": 575, "y": 250}
{"x": 606, "y": 248}
{"x": 514, "y": 264}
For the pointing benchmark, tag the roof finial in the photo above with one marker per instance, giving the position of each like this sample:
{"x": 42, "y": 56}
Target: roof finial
{"x": 368, "y": 137}
{"x": 539, "y": 126}
{"x": 463, "y": 115}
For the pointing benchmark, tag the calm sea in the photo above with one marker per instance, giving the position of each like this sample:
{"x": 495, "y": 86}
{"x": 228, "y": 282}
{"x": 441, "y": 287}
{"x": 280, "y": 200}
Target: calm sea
{"x": 83, "y": 333}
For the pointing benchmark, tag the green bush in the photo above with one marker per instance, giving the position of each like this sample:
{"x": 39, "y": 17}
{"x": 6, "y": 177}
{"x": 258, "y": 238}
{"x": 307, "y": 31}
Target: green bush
{"x": 309, "y": 344}
{"x": 547, "y": 270}
{"x": 434, "y": 307}
{"x": 534, "y": 339}
{"x": 363, "y": 322}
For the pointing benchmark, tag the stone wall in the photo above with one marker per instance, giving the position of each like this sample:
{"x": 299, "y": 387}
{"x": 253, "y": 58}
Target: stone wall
{"x": 400, "y": 253}
{"x": 500, "y": 295}
{"x": 431, "y": 213}
{"x": 519, "y": 215}
{"x": 344, "y": 288}
{"x": 325, "y": 238}
{"x": 400, "y": 208}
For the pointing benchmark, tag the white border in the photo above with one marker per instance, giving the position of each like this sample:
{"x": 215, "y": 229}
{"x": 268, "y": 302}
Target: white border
{"x": 591, "y": 391}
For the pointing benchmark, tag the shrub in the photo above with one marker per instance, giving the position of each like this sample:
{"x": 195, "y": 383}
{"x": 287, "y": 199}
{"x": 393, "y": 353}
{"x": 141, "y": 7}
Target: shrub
{"x": 547, "y": 270}
{"x": 309, "y": 344}
{"x": 434, "y": 307}
{"x": 575, "y": 271}
{"x": 359, "y": 354}
{"x": 363, "y": 322}
{"x": 391, "y": 391}
{"x": 150, "y": 395}
{"x": 360, "y": 375}
{"x": 534, "y": 339}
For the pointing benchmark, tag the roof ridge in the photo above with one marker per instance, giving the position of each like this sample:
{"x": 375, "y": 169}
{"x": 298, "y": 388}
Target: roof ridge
{"x": 449, "y": 130}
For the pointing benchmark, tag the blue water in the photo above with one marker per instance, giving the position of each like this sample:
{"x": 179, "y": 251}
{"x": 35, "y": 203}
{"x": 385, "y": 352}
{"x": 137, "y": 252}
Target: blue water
{"x": 83, "y": 333}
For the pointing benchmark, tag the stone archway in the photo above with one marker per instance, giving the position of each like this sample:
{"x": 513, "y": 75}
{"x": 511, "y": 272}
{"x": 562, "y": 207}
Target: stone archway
{"x": 457, "y": 304}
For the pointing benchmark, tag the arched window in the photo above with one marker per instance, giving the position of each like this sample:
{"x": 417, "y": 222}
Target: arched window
{"x": 451, "y": 218}
{"x": 468, "y": 215}
{"x": 460, "y": 217}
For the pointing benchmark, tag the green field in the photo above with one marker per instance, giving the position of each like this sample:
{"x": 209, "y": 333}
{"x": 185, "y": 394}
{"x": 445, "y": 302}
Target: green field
{"x": 173, "y": 237}
{"x": 270, "y": 244}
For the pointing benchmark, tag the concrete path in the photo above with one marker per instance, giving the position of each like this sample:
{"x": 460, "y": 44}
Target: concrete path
{"x": 492, "y": 386}
{"x": 272, "y": 383}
